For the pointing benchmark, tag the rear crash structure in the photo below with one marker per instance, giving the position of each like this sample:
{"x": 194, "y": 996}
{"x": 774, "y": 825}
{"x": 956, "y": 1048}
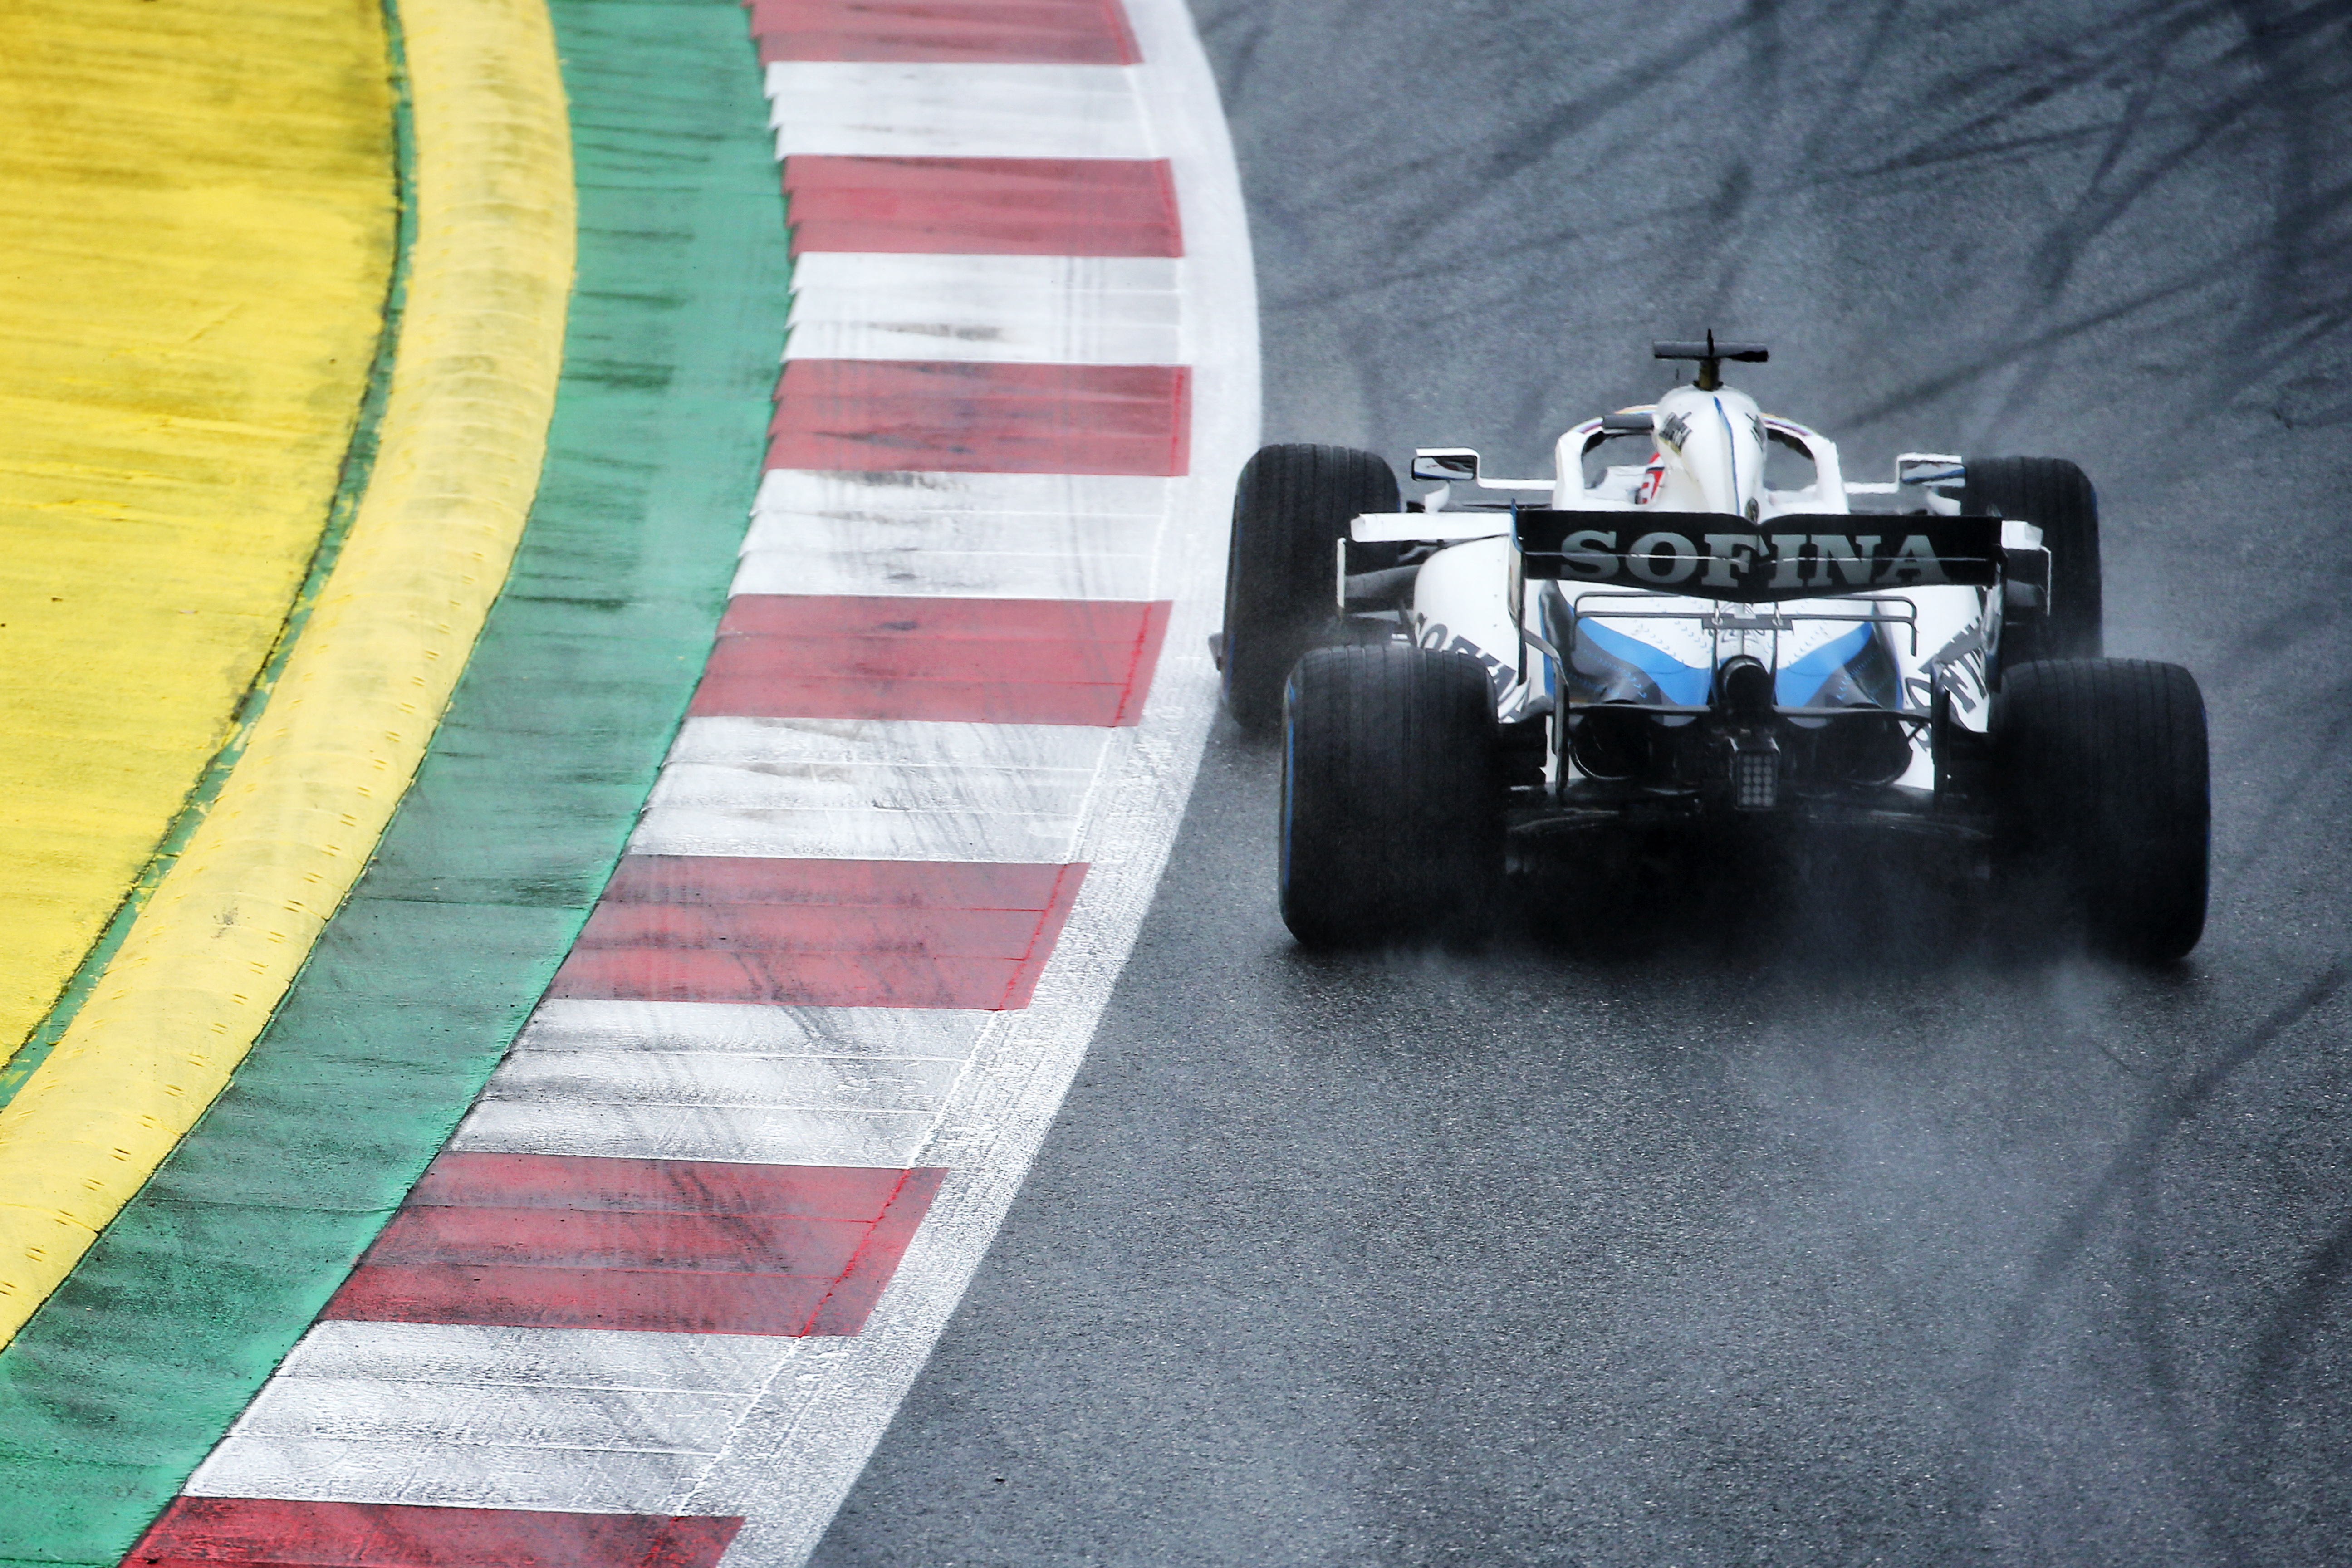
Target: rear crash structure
{"x": 1698, "y": 625}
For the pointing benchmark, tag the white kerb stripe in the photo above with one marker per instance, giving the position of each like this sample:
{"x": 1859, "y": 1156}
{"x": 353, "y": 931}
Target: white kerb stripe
{"x": 755, "y": 1135}
{"x": 715, "y": 1105}
{"x": 860, "y": 109}
{"x": 719, "y": 1081}
{"x": 824, "y": 564}
{"x": 873, "y": 790}
{"x": 998, "y": 536}
{"x": 928, "y": 492}
{"x": 1040, "y": 310}
{"x": 568, "y": 1023}
{"x": 568, "y": 1419}
{"x": 813, "y": 748}
{"x": 728, "y": 1080}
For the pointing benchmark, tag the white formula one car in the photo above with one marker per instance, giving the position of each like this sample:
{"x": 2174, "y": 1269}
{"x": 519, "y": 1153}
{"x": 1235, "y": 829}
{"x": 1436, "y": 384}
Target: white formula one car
{"x": 1697, "y": 626}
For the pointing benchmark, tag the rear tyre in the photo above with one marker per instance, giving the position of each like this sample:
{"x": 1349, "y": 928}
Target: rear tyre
{"x": 1391, "y": 798}
{"x": 2105, "y": 801}
{"x": 1291, "y": 506}
{"x": 2057, "y": 498}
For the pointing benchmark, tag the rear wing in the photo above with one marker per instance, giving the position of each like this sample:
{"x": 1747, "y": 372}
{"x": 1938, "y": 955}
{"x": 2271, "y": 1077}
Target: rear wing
{"x": 1707, "y": 555}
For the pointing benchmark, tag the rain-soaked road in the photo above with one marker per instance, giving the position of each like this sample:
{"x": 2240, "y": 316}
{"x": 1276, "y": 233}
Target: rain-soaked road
{"x": 1795, "y": 1233}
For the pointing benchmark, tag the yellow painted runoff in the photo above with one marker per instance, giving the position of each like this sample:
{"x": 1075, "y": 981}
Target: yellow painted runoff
{"x": 199, "y": 201}
{"x": 462, "y": 438}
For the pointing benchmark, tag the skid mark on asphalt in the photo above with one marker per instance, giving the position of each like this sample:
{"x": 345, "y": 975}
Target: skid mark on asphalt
{"x": 2131, "y": 1170}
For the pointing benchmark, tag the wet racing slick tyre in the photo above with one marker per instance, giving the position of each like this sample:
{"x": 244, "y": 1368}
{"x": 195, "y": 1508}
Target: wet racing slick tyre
{"x": 1291, "y": 506}
{"x": 2102, "y": 783}
{"x": 1391, "y": 799}
{"x": 2057, "y": 498}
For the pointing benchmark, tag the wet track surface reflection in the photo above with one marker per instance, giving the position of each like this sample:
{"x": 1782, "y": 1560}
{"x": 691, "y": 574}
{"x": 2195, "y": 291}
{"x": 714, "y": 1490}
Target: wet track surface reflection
{"x": 1793, "y": 1224}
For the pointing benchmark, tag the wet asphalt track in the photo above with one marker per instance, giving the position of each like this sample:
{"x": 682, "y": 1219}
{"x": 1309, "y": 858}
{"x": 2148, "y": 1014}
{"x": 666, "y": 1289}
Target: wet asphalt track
{"x": 1790, "y": 1231}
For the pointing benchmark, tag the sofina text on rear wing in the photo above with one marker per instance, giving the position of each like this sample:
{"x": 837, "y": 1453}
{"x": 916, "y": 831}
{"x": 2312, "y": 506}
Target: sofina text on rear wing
{"x": 1786, "y": 557}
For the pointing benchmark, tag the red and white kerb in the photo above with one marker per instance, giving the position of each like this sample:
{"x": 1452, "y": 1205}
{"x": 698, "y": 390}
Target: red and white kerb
{"x": 656, "y": 1301}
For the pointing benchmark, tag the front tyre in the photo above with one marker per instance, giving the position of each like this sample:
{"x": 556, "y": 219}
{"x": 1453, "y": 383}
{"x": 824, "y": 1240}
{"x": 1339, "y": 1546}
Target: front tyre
{"x": 1291, "y": 506}
{"x": 1391, "y": 798}
{"x": 2106, "y": 797}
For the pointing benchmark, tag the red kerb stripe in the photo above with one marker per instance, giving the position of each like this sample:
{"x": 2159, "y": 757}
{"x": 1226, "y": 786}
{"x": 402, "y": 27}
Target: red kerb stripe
{"x": 983, "y": 206}
{"x": 630, "y": 1301}
{"x": 1010, "y": 661}
{"x": 886, "y": 416}
{"x": 794, "y": 928}
{"x": 876, "y": 884}
{"x": 851, "y": 1302}
{"x": 671, "y": 1246}
{"x": 264, "y": 1533}
{"x": 588, "y": 1183}
{"x": 1038, "y": 32}
{"x": 889, "y": 941}
{"x": 437, "y": 1234}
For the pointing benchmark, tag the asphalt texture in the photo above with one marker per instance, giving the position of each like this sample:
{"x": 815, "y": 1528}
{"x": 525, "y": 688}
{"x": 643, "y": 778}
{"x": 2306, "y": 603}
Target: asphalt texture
{"x": 1797, "y": 1222}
